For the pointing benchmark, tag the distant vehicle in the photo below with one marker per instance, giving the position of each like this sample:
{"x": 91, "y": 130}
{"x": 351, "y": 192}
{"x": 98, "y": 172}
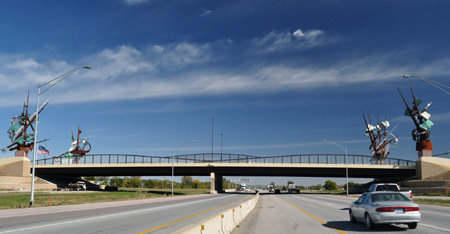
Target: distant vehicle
{"x": 243, "y": 187}
{"x": 384, "y": 207}
{"x": 79, "y": 185}
{"x": 293, "y": 189}
{"x": 390, "y": 187}
{"x": 277, "y": 190}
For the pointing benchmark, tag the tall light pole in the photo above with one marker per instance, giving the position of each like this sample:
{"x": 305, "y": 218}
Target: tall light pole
{"x": 221, "y": 146}
{"x": 431, "y": 82}
{"x": 212, "y": 139}
{"x": 50, "y": 84}
{"x": 173, "y": 157}
{"x": 346, "y": 163}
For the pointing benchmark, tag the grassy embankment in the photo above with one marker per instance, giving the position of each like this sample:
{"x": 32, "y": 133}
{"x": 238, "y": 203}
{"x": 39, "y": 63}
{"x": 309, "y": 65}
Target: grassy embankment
{"x": 431, "y": 201}
{"x": 435, "y": 202}
{"x": 13, "y": 200}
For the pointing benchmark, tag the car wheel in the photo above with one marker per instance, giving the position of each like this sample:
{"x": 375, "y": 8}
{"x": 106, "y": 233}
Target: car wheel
{"x": 369, "y": 223}
{"x": 412, "y": 225}
{"x": 352, "y": 218}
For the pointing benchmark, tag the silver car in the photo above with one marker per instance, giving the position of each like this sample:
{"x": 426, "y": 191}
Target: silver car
{"x": 384, "y": 207}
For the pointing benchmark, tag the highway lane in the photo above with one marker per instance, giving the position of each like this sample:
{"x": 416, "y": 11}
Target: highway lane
{"x": 159, "y": 215}
{"x": 315, "y": 213}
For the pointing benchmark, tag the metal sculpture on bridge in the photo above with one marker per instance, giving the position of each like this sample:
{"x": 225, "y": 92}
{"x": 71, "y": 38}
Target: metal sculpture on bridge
{"x": 21, "y": 139}
{"x": 381, "y": 139}
{"x": 421, "y": 119}
{"x": 78, "y": 149}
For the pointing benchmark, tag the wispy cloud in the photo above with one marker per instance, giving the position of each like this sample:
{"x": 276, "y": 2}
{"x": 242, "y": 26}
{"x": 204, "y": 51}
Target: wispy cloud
{"x": 444, "y": 117}
{"x": 180, "y": 54}
{"x": 206, "y": 12}
{"x": 193, "y": 70}
{"x": 277, "y": 41}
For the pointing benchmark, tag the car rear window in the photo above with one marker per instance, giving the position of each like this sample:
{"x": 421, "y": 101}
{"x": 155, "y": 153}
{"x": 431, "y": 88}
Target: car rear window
{"x": 387, "y": 188}
{"x": 388, "y": 197}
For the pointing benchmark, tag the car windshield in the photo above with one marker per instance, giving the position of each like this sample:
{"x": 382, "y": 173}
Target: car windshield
{"x": 388, "y": 197}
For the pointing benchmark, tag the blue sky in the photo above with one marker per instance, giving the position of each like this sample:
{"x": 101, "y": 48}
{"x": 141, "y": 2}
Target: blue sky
{"x": 277, "y": 76}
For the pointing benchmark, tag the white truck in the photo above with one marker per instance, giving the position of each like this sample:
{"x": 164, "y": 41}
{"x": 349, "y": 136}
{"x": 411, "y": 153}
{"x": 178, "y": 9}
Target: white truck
{"x": 293, "y": 189}
{"x": 77, "y": 186}
{"x": 390, "y": 187}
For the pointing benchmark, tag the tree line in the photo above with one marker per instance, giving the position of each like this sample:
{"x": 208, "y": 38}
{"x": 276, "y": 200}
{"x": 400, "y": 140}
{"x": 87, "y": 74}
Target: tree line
{"x": 187, "y": 182}
{"x": 328, "y": 185}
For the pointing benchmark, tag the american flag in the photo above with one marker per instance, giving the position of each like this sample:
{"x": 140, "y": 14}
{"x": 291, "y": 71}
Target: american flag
{"x": 43, "y": 150}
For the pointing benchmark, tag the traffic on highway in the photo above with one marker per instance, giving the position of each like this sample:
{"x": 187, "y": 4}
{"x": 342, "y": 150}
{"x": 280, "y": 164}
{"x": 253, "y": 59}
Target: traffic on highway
{"x": 274, "y": 213}
{"x": 320, "y": 213}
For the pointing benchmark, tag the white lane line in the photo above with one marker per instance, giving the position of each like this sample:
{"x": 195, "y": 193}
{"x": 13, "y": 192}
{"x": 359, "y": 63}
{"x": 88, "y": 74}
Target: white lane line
{"x": 104, "y": 216}
{"x": 442, "y": 229}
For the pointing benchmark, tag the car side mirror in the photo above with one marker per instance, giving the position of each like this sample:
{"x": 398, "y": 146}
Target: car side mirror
{"x": 355, "y": 202}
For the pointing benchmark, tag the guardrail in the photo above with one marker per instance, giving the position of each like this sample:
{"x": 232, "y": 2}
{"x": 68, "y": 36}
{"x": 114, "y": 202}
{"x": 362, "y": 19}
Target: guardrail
{"x": 227, "y": 158}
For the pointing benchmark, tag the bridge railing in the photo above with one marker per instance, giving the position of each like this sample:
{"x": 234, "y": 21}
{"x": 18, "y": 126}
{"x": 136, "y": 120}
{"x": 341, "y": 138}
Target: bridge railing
{"x": 227, "y": 158}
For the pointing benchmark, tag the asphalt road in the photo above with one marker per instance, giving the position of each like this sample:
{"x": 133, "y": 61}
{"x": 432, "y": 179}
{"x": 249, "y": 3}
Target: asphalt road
{"x": 159, "y": 215}
{"x": 316, "y": 213}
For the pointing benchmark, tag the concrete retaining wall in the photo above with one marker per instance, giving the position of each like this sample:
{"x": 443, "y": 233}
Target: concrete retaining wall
{"x": 427, "y": 183}
{"x": 16, "y": 183}
{"x": 429, "y": 167}
{"x": 15, "y": 166}
{"x": 224, "y": 223}
{"x": 15, "y": 175}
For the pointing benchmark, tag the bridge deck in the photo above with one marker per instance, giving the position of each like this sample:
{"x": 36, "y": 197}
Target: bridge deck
{"x": 359, "y": 166}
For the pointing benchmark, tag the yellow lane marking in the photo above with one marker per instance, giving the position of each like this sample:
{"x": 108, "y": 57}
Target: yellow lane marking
{"x": 312, "y": 216}
{"x": 165, "y": 225}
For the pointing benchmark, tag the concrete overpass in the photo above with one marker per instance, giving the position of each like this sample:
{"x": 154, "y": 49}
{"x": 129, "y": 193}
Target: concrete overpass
{"x": 218, "y": 165}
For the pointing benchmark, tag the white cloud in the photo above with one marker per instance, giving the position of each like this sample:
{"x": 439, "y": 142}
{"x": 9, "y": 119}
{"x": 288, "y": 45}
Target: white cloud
{"x": 182, "y": 54}
{"x": 119, "y": 63}
{"x": 444, "y": 117}
{"x": 298, "y": 33}
{"x": 277, "y": 41}
{"x": 206, "y": 12}
{"x": 158, "y": 49}
{"x": 185, "y": 70}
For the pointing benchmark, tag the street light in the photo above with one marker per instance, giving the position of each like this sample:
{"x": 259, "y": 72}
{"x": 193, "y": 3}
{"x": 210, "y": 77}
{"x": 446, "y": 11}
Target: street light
{"x": 212, "y": 139}
{"x": 50, "y": 84}
{"x": 346, "y": 164}
{"x": 431, "y": 82}
{"x": 173, "y": 157}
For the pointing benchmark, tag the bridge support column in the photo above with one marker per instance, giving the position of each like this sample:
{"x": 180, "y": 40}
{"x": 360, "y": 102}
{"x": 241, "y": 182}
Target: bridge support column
{"x": 216, "y": 183}
{"x": 213, "y": 183}
{"x": 219, "y": 183}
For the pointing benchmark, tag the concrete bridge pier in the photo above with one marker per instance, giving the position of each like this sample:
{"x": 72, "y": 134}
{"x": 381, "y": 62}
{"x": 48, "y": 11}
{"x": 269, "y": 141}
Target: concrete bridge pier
{"x": 216, "y": 183}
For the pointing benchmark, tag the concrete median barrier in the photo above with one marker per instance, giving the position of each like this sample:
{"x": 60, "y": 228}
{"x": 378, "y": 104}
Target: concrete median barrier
{"x": 225, "y": 222}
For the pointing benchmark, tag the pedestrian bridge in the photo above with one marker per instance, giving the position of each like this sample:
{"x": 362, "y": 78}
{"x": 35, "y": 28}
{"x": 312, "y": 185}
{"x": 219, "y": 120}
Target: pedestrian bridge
{"x": 218, "y": 165}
